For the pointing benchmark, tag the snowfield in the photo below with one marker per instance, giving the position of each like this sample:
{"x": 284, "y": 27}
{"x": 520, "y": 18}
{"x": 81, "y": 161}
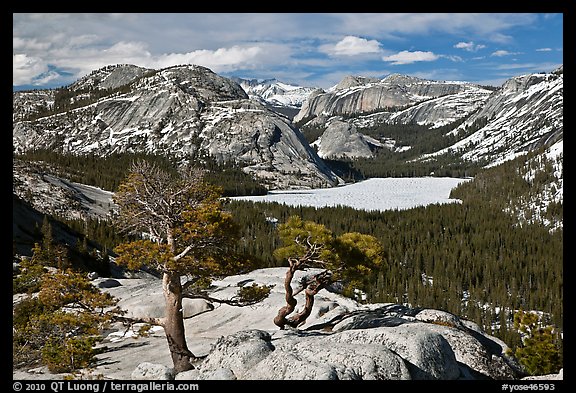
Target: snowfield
{"x": 378, "y": 194}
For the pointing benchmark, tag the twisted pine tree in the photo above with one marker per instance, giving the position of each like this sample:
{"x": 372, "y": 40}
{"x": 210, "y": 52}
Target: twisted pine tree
{"x": 349, "y": 258}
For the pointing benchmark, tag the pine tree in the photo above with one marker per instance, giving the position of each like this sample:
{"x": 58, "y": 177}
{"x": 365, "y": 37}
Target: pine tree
{"x": 188, "y": 234}
{"x": 541, "y": 349}
{"x": 349, "y": 258}
{"x": 62, "y": 324}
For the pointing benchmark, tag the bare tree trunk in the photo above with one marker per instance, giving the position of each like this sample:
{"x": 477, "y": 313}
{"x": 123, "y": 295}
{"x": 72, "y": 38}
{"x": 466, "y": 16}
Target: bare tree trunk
{"x": 174, "y": 323}
{"x": 312, "y": 288}
{"x": 301, "y": 317}
{"x": 291, "y": 302}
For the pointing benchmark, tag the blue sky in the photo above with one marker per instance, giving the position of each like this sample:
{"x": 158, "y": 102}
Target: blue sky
{"x": 52, "y": 50}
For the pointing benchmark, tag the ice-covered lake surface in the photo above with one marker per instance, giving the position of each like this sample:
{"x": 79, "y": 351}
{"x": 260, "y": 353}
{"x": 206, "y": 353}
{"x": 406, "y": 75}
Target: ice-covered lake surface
{"x": 376, "y": 194}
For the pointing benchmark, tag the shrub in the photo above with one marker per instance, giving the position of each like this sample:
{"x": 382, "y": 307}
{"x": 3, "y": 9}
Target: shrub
{"x": 541, "y": 350}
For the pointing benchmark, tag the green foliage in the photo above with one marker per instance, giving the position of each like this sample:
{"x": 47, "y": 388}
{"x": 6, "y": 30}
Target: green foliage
{"x": 26, "y": 309}
{"x": 516, "y": 186}
{"x": 297, "y": 235}
{"x": 69, "y": 354}
{"x": 49, "y": 253}
{"x": 192, "y": 233}
{"x": 470, "y": 249}
{"x": 474, "y": 250}
{"x": 251, "y": 294}
{"x": 189, "y": 234}
{"x": 362, "y": 256}
{"x": 28, "y": 281}
{"x": 139, "y": 253}
{"x": 541, "y": 349}
{"x": 351, "y": 257}
{"x": 60, "y": 327}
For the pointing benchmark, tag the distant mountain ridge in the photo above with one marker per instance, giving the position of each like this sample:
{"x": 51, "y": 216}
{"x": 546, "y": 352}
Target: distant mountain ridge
{"x": 189, "y": 111}
{"x": 524, "y": 114}
{"x": 360, "y": 95}
{"x": 181, "y": 111}
{"x": 274, "y": 92}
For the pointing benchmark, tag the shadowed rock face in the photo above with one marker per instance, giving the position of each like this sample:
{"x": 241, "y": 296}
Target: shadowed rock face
{"x": 178, "y": 111}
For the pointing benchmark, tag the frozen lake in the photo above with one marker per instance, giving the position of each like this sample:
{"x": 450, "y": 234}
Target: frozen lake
{"x": 373, "y": 194}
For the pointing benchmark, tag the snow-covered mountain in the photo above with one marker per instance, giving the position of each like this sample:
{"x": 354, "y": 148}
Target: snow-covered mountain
{"x": 179, "y": 111}
{"x": 394, "y": 99}
{"x": 525, "y": 114}
{"x": 274, "y": 92}
{"x": 188, "y": 110}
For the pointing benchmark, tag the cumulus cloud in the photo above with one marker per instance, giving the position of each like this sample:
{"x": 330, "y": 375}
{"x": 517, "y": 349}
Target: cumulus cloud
{"x": 352, "y": 46}
{"x": 407, "y": 57}
{"x": 218, "y": 60}
{"x": 469, "y": 46}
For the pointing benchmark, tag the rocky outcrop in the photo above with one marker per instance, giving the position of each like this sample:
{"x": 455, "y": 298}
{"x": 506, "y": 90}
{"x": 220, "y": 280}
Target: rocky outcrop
{"x": 143, "y": 299}
{"x": 442, "y": 110}
{"x": 110, "y": 77}
{"x": 353, "y": 81}
{"x": 52, "y": 195}
{"x": 342, "y": 140}
{"x": 152, "y": 371}
{"x": 179, "y": 111}
{"x": 385, "y": 342}
{"x": 341, "y": 339}
{"x": 267, "y": 145}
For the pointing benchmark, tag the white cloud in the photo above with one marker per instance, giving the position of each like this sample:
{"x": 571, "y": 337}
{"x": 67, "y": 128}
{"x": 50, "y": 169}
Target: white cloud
{"x": 469, "y": 46}
{"x": 222, "y": 59}
{"x": 81, "y": 61}
{"x": 485, "y": 25}
{"x": 544, "y": 50}
{"x": 501, "y": 52}
{"x": 72, "y": 45}
{"x": 452, "y": 57}
{"x": 26, "y": 68}
{"x": 534, "y": 67}
{"x": 407, "y": 57}
{"x": 352, "y": 46}
{"x": 501, "y": 38}
{"x": 24, "y": 44}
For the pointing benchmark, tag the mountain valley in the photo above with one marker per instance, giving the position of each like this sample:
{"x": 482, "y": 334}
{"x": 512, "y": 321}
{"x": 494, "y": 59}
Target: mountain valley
{"x": 469, "y": 266}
